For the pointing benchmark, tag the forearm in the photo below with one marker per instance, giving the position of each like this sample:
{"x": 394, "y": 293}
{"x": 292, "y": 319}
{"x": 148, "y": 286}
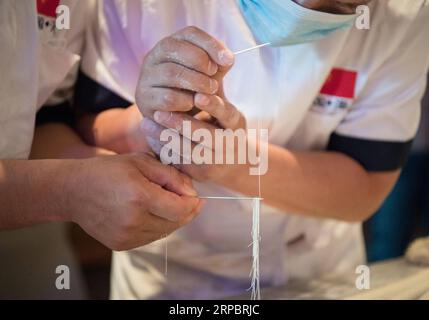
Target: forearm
{"x": 37, "y": 191}
{"x": 32, "y": 192}
{"x": 58, "y": 141}
{"x": 317, "y": 184}
{"x": 113, "y": 129}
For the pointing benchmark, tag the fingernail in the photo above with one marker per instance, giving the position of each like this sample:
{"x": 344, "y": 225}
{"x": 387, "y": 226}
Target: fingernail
{"x": 214, "y": 86}
{"x": 161, "y": 116}
{"x": 189, "y": 189}
{"x": 148, "y": 125}
{"x": 212, "y": 68}
{"x": 201, "y": 99}
{"x": 226, "y": 57}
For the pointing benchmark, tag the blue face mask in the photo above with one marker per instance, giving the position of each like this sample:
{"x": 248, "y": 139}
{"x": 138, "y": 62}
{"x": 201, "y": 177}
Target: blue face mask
{"x": 284, "y": 22}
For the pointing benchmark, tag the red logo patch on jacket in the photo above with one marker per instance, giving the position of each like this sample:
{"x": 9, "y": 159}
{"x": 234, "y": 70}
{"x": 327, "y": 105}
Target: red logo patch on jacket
{"x": 46, "y": 18}
{"x": 338, "y": 92}
{"x": 48, "y": 7}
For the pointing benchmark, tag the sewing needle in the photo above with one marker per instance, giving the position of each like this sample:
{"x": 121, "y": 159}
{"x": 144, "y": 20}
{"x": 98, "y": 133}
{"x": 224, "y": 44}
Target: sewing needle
{"x": 252, "y": 48}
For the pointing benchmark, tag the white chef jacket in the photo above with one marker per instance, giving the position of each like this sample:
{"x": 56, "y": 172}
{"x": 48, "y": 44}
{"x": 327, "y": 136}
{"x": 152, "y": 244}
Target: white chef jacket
{"x": 35, "y": 60}
{"x": 357, "y": 92}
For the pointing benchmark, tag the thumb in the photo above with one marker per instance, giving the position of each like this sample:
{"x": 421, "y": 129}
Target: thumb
{"x": 165, "y": 176}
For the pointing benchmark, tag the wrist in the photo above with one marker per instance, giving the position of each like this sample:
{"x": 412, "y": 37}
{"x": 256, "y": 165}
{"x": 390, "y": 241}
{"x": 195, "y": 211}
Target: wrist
{"x": 72, "y": 187}
{"x": 61, "y": 193}
{"x": 32, "y": 192}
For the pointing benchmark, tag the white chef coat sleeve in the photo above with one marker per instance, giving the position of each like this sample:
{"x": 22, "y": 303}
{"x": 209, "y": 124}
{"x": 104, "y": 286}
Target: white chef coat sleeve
{"x": 379, "y": 129}
{"x": 98, "y": 85}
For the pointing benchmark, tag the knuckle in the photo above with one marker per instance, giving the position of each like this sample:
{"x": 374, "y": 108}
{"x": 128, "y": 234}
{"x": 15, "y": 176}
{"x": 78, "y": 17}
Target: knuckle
{"x": 204, "y": 84}
{"x": 212, "y": 42}
{"x": 213, "y": 85}
{"x": 199, "y": 59}
{"x": 168, "y": 100}
{"x": 187, "y": 104}
{"x": 191, "y": 30}
{"x": 180, "y": 73}
{"x": 167, "y": 44}
{"x": 169, "y": 70}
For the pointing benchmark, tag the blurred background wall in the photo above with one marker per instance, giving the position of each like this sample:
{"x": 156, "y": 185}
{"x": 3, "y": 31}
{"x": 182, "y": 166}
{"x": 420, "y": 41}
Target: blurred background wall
{"x": 405, "y": 214}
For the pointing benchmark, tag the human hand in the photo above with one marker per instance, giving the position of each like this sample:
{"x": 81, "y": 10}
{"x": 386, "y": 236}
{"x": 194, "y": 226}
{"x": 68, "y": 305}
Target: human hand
{"x": 181, "y": 71}
{"x": 191, "y": 160}
{"x": 129, "y": 201}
